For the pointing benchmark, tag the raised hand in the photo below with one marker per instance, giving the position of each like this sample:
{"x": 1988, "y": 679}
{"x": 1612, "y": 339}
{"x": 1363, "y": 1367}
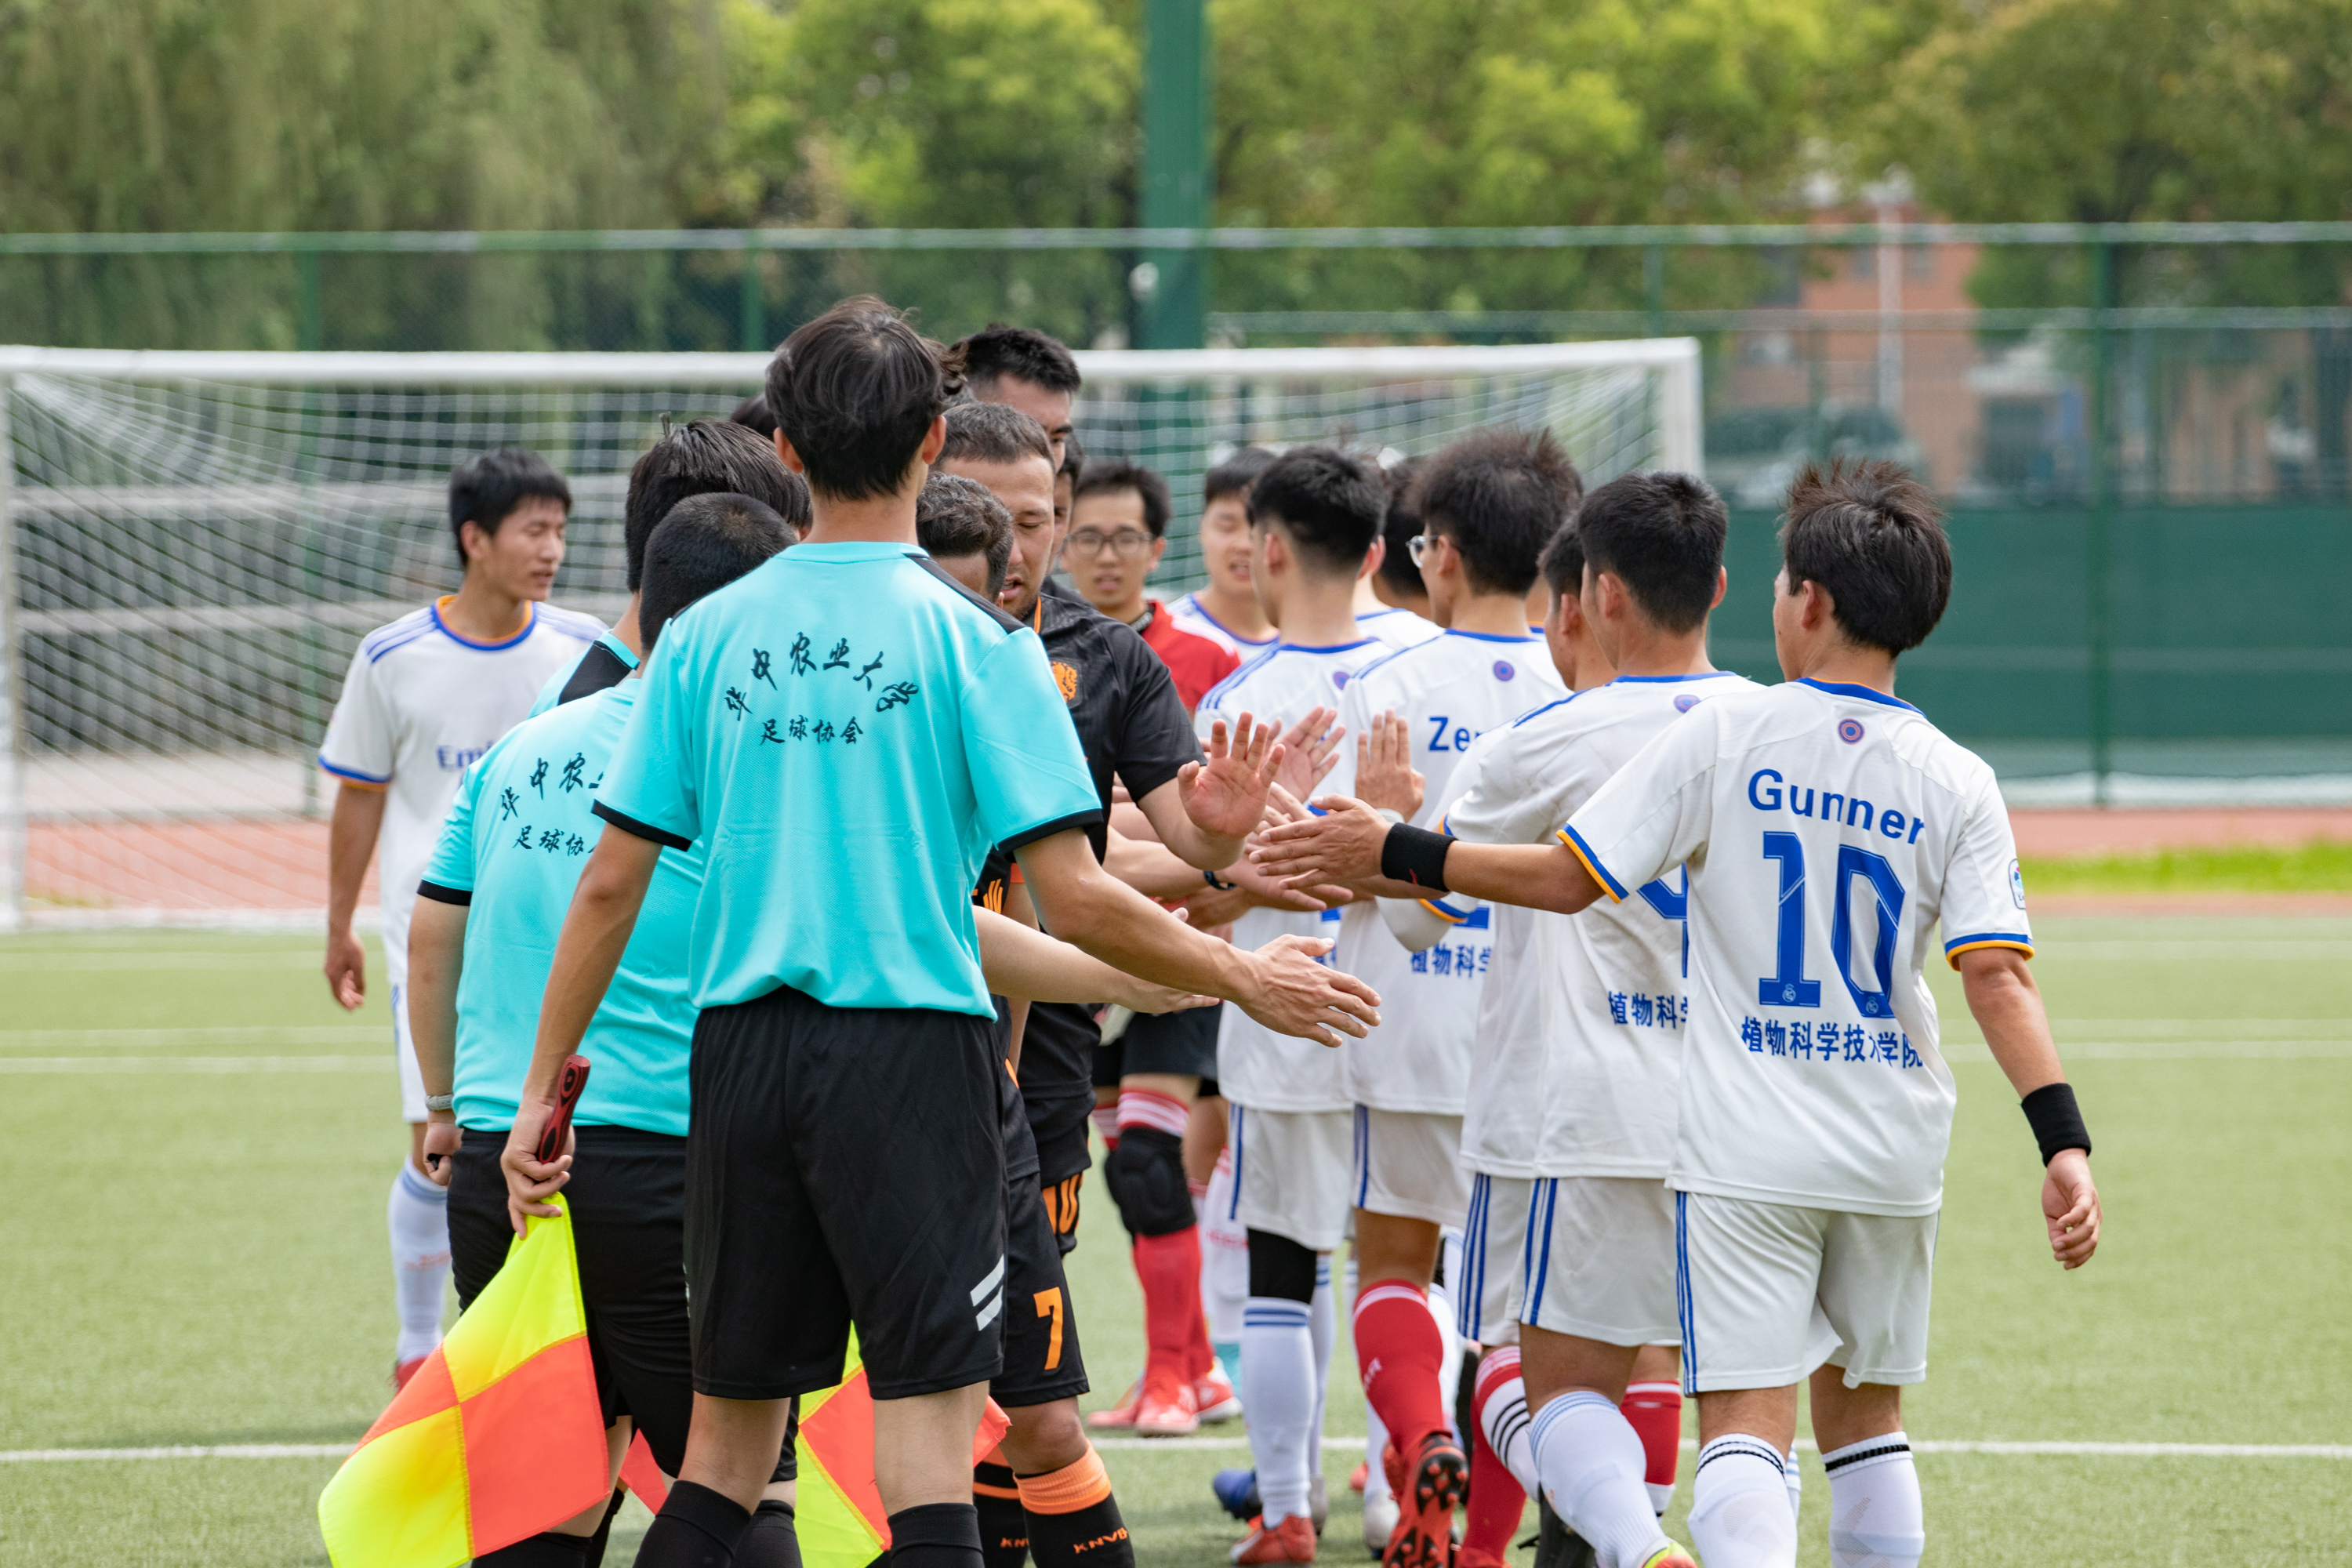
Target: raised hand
{"x": 1225, "y": 796}
{"x": 1292, "y": 994}
{"x": 1341, "y": 845}
{"x": 1384, "y": 770}
{"x": 1310, "y": 750}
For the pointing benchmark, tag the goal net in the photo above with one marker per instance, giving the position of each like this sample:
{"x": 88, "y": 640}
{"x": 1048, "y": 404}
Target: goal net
{"x": 192, "y": 544}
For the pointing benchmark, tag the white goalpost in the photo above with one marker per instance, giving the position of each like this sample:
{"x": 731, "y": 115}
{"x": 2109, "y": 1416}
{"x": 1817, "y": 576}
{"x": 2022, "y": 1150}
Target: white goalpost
{"x": 191, "y": 546}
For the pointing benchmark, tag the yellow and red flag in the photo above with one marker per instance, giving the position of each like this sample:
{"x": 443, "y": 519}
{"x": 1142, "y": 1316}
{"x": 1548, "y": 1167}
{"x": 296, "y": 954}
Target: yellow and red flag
{"x": 497, "y": 1436}
{"x": 839, "y": 1518}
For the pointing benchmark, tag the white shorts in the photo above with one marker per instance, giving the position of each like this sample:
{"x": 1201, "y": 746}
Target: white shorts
{"x": 1487, "y": 1297}
{"x": 1599, "y": 1261}
{"x": 1408, "y": 1164}
{"x": 1290, "y": 1174}
{"x": 404, "y": 1051}
{"x": 1770, "y": 1291}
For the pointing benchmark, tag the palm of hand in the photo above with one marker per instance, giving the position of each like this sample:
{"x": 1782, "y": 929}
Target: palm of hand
{"x": 1225, "y": 798}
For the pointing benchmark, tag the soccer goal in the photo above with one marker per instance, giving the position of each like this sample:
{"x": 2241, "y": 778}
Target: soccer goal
{"x": 191, "y": 546}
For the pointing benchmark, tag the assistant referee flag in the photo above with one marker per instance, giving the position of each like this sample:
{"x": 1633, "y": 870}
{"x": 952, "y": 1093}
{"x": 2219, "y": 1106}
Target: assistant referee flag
{"x": 497, "y": 1436}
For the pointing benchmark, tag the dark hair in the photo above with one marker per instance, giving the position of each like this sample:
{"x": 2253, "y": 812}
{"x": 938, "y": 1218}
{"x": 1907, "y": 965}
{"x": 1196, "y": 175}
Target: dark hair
{"x": 1331, "y": 504}
{"x": 1118, "y": 474}
{"x": 1235, "y": 475}
{"x": 855, "y": 392}
{"x": 752, "y": 414}
{"x": 1562, "y": 561}
{"x": 1869, "y": 533}
{"x": 993, "y": 433}
{"x": 1499, "y": 495}
{"x": 1402, "y": 522}
{"x": 955, "y": 516}
{"x": 998, "y": 350}
{"x": 703, "y": 457}
{"x": 1662, "y": 535}
{"x": 485, "y": 490}
{"x": 706, "y": 542}
{"x": 1074, "y": 460}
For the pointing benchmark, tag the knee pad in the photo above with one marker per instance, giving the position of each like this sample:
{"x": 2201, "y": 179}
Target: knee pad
{"x": 1281, "y": 1268}
{"x": 1146, "y": 1177}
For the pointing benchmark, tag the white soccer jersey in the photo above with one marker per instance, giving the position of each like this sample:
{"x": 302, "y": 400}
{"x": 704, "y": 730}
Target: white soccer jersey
{"x": 1827, "y": 829}
{"x": 1192, "y": 616}
{"x": 1448, "y": 690}
{"x": 1609, "y": 985}
{"x": 1399, "y": 628}
{"x": 1256, "y": 1066}
{"x": 419, "y": 703}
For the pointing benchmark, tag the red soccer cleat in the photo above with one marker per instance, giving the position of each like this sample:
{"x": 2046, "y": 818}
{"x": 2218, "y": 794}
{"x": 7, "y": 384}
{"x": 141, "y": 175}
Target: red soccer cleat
{"x": 1439, "y": 1482}
{"x": 402, "y": 1370}
{"x": 1292, "y": 1541}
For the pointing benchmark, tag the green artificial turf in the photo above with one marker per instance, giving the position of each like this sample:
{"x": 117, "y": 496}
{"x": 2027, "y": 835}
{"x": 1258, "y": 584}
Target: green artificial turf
{"x": 2321, "y": 865}
{"x": 199, "y": 1258}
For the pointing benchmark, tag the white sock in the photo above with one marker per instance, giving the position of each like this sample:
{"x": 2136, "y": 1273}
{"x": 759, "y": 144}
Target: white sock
{"x": 1224, "y": 1256}
{"x": 1278, "y": 1386}
{"x": 1740, "y": 1504}
{"x": 1796, "y": 1479}
{"x": 1503, "y": 1415}
{"x": 1590, "y": 1461}
{"x": 418, "y": 1217}
{"x": 1449, "y": 1361}
{"x": 1875, "y": 1519}
{"x": 1324, "y": 1327}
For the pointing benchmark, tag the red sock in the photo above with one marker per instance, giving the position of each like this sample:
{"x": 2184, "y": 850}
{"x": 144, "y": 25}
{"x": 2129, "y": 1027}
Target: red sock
{"x": 1200, "y": 1356}
{"x": 1170, "y": 1269}
{"x": 1399, "y": 1349}
{"x": 1654, "y": 1411}
{"x": 1498, "y": 1501}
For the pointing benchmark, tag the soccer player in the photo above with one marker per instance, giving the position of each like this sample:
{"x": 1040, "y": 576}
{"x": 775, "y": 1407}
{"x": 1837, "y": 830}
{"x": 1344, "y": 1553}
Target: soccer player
{"x": 1378, "y": 611}
{"x": 967, "y": 530}
{"x": 1313, "y": 516}
{"x": 1488, "y": 502}
{"x": 1066, "y": 491}
{"x": 1815, "y": 1108}
{"x": 1023, "y": 368}
{"x": 752, "y": 414}
{"x": 1227, "y": 611}
{"x": 695, "y": 459}
{"x": 1118, "y": 531}
{"x": 1133, "y": 726}
{"x": 1396, "y": 581}
{"x": 848, "y": 729}
{"x": 424, "y": 697}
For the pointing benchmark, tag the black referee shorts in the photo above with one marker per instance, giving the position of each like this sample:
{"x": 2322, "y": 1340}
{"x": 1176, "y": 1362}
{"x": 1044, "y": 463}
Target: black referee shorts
{"x": 843, "y": 1164}
{"x": 627, "y": 1201}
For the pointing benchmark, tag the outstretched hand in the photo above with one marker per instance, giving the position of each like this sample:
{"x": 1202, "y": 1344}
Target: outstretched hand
{"x": 1310, "y": 750}
{"x": 1291, "y": 993}
{"x": 1384, "y": 770}
{"x": 1341, "y": 845}
{"x": 2070, "y": 1207}
{"x": 1225, "y": 796}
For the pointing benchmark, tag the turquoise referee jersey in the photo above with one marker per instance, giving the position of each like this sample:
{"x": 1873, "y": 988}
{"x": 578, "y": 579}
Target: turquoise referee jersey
{"x": 512, "y": 850}
{"x": 844, "y": 732}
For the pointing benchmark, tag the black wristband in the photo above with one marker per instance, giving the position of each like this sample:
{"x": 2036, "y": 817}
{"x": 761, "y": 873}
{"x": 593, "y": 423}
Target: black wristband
{"x": 1415, "y": 854}
{"x": 2056, "y": 1122}
{"x": 1211, "y": 878}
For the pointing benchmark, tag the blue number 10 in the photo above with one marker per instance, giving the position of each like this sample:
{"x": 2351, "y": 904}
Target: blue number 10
{"x": 1789, "y": 987}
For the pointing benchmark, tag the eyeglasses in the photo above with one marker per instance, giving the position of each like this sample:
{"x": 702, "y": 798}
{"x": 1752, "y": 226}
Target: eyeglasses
{"x": 1126, "y": 543}
{"x": 1418, "y": 546}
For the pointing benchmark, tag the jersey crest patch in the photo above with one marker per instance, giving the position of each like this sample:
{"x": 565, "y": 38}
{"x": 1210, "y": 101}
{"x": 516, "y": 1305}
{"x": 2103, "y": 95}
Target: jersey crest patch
{"x": 1850, "y": 731}
{"x": 1686, "y": 702}
{"x": 1065, "y": 677}
{"x": 1340, "y": 679}
{"x": 2017, "y": 884}
{"x": 1504, "y": 669}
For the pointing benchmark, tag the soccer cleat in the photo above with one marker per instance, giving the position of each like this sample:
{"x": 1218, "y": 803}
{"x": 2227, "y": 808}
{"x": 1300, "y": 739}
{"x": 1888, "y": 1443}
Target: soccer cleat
{"x": 1215, "y": 1397}
{"x": 1669, "y": 1556}
{"x": 1557, "y": 1546}
{"x": 1439, "y": 1481}
{"x": 1359, "y": 1475}
{"x": 1167, "y": 1411}
{"x": 1292, "y": 1541}
{"x": 1392, "y": 1468}
{"x": 402, "y": 1370}
{"x": 1120, "y": 1417}
{"x": 1237, "y": 1493}
{"x": 1381, "y": 1515}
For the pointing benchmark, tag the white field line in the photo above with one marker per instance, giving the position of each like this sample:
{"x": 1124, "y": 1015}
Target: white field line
{"x": 2340, "y": 1451}
{"x": 70, "y": 1065}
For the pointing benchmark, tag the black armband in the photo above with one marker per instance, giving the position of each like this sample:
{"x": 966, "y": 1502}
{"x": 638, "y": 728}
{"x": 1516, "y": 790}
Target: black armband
{"x": 1211, "y": 878}
{"x": 1415, "y": 854}
{"x": 2056, "y": 1122}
